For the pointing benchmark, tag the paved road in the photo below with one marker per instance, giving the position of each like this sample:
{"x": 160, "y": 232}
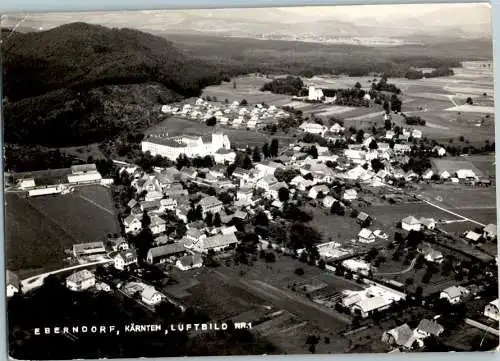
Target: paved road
{"x": 36, "y": 281}
{"x": 292, "y": 302}
{"x": 482, "y": 326}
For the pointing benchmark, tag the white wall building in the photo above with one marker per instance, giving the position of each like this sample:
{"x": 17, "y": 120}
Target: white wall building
{"x": 315, "y": 94}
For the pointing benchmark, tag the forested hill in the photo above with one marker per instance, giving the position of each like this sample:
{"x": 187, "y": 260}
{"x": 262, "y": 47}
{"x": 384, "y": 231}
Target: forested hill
{"x": 65, "y": 85}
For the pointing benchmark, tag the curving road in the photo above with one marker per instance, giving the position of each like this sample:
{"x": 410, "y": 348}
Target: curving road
{"x": 36, "y": 281}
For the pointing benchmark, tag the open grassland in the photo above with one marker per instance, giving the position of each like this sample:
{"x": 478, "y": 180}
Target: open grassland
{"x": 174, "y": 126}
{"x": 38, "y": 230}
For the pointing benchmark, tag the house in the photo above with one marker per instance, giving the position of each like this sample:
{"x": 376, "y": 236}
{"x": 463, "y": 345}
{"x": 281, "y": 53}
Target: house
{"x": 26, "y": 183}
{"x": 492, "y": 310}
{"x": 389, "y": 134}
{"x": 364, "y": 219}
{"x": 151, "y": 296}
{"x": 80, "y": 280}
{"x": 454, "y": 294}
{"x": 411, "y": 176}
{"x": 427, "y": 328}
{"x": 328, "y": 202}
{"x": 472, "y": 236}
{"x": 266, "y": 182}
{"x": 168, "y": 204}
{"x": 350, "y": 195}
{"x": 224, "y": 155}
{"x": 157, "y": 225}
{"x": 316, "y": 190}
{"x": 427, "y": 175}
{"x": 401, "y": 336}
{"x": 445, "y": 175}
{"x": 132, "y": 203}
{"x": 431, "y": 255}
{"x": 366, "y": 236}
{"x": 440, "y": 151}
{"x": 428, "y": 223}
{"x": 117, "y": 244}
{"x": 313, "y": 128}
{"x": 210, "y": 204}
{"x": 268, "y": 168}
{"x": 490, "y": 231}
{"x": 336, "y": 128}
{"x": 417, "y": 134}
{"x": 125, "y": 259}
{"x": 12, "y": 282}
{"x": 88, "y": 249}
{"x": 228, "y": 230}
{"x": 189, "y": 262}
{"x": 466, "y": 174}
{"x": 273, "y": 191}
{"x": 402, "y": 148}
{"x": 368, "y": 306}
{"x": 356, "y": 266}
{"x": 356, "y": 156}
{"x": 167, "y": 252}
{"x": 410, "y": 223}
{"x": 216, "y": 243}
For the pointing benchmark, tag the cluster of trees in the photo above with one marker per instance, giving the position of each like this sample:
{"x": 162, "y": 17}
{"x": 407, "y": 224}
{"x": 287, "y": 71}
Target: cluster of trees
{"x": 383, "y": 85}
{"x": 22, "y": 159}
{"x": 413, "y": 120}
{"x": 289, "y": 85}
{"x": 350, "y": 97}
{"x": 418, "y": 74}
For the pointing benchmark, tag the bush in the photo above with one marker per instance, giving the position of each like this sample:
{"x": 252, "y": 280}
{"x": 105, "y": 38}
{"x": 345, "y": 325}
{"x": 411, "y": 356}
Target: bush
{"x": 299, "y": 271}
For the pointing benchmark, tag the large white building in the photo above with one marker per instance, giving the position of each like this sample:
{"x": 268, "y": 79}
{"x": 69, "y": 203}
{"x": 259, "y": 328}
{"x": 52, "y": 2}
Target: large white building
{"x": 191, "y": 146}
{"x": 315, "y": 94}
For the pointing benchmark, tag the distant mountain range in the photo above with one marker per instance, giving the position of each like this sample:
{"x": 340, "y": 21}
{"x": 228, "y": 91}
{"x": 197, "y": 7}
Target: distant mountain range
{"x": 285, "y": 24}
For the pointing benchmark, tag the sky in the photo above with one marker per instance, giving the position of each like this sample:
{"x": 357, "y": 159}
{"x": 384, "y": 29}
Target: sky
{"x": 476, "y": 15}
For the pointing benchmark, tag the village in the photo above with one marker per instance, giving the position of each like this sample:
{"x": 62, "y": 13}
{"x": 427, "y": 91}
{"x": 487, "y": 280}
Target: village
{"x": 324, "y": 202}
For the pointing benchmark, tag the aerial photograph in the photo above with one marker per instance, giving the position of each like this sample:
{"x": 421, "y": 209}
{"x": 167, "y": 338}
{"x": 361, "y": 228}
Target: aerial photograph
{"x": 249, "y": 181}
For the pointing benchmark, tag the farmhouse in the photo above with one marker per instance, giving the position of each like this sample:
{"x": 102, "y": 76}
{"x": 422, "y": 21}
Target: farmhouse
{"x": 454, "y": 294}
{"x": 440, "y": 151}
{"x": 117, "y": 244}
{"x": 274, "y": 189}
{"x": 216, "y": 243}
{"x": 466, "y": 174}
{"x": 363, "y": 219}
{"x": 328, "y": 201}
{"x": 492, "y": 310}
{"x": 410, "y": 223}
{"x": 125, "y": 259}
{"x": 427, "y": 175}
{"x": 191, "y": 146}
{"x": 12, "y": 282}
{"x": 371, "y": 299}
{"x": 80, "y": 280}
{"x": 267, "y": 168}
{"x": 86, "y": 249}
{"x": 167, "y": 252}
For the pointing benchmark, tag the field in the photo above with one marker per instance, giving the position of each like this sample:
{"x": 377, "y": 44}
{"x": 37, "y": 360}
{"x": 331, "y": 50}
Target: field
{"x": 177, "y": 126}
{"x": 38, "y": 230}
{"x": 452, "y": 165}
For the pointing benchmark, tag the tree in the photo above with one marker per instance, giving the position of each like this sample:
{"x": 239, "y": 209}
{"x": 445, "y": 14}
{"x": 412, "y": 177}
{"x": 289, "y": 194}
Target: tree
{"x": 427, "y": 277}
{"x": 247, "y": 163}
{"x": 409, "y": 282}
{"x": 357, "y": 85}
{"x": 321, "y": 264}
{"x": 283, "y": 194}
{"x": 261, "y": 219}
{"x": 373, "y": 145}
{"x": 211, "y": 121}
{"x": 199, "y": 212}
{"x": 209, "y": 220}
{"x": 388, "y": 124}
{"x": 243, "y": 102}
{"x": 270, "y": 257}
{"x": 313, "y": 152}
{"x": 234, "y": 84}
{"x": 217, "y": 221}
{"x": 469, "y": 101}
{"x": 266, "y": 151}
{"x": 256, "y": 155}
{"x": 360, "y": 136}
{"x": 146, "y": 220}
{"x": 377, "y": 165}
{"x": 274, "y": 147}
{"x": 337, "y": 209}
